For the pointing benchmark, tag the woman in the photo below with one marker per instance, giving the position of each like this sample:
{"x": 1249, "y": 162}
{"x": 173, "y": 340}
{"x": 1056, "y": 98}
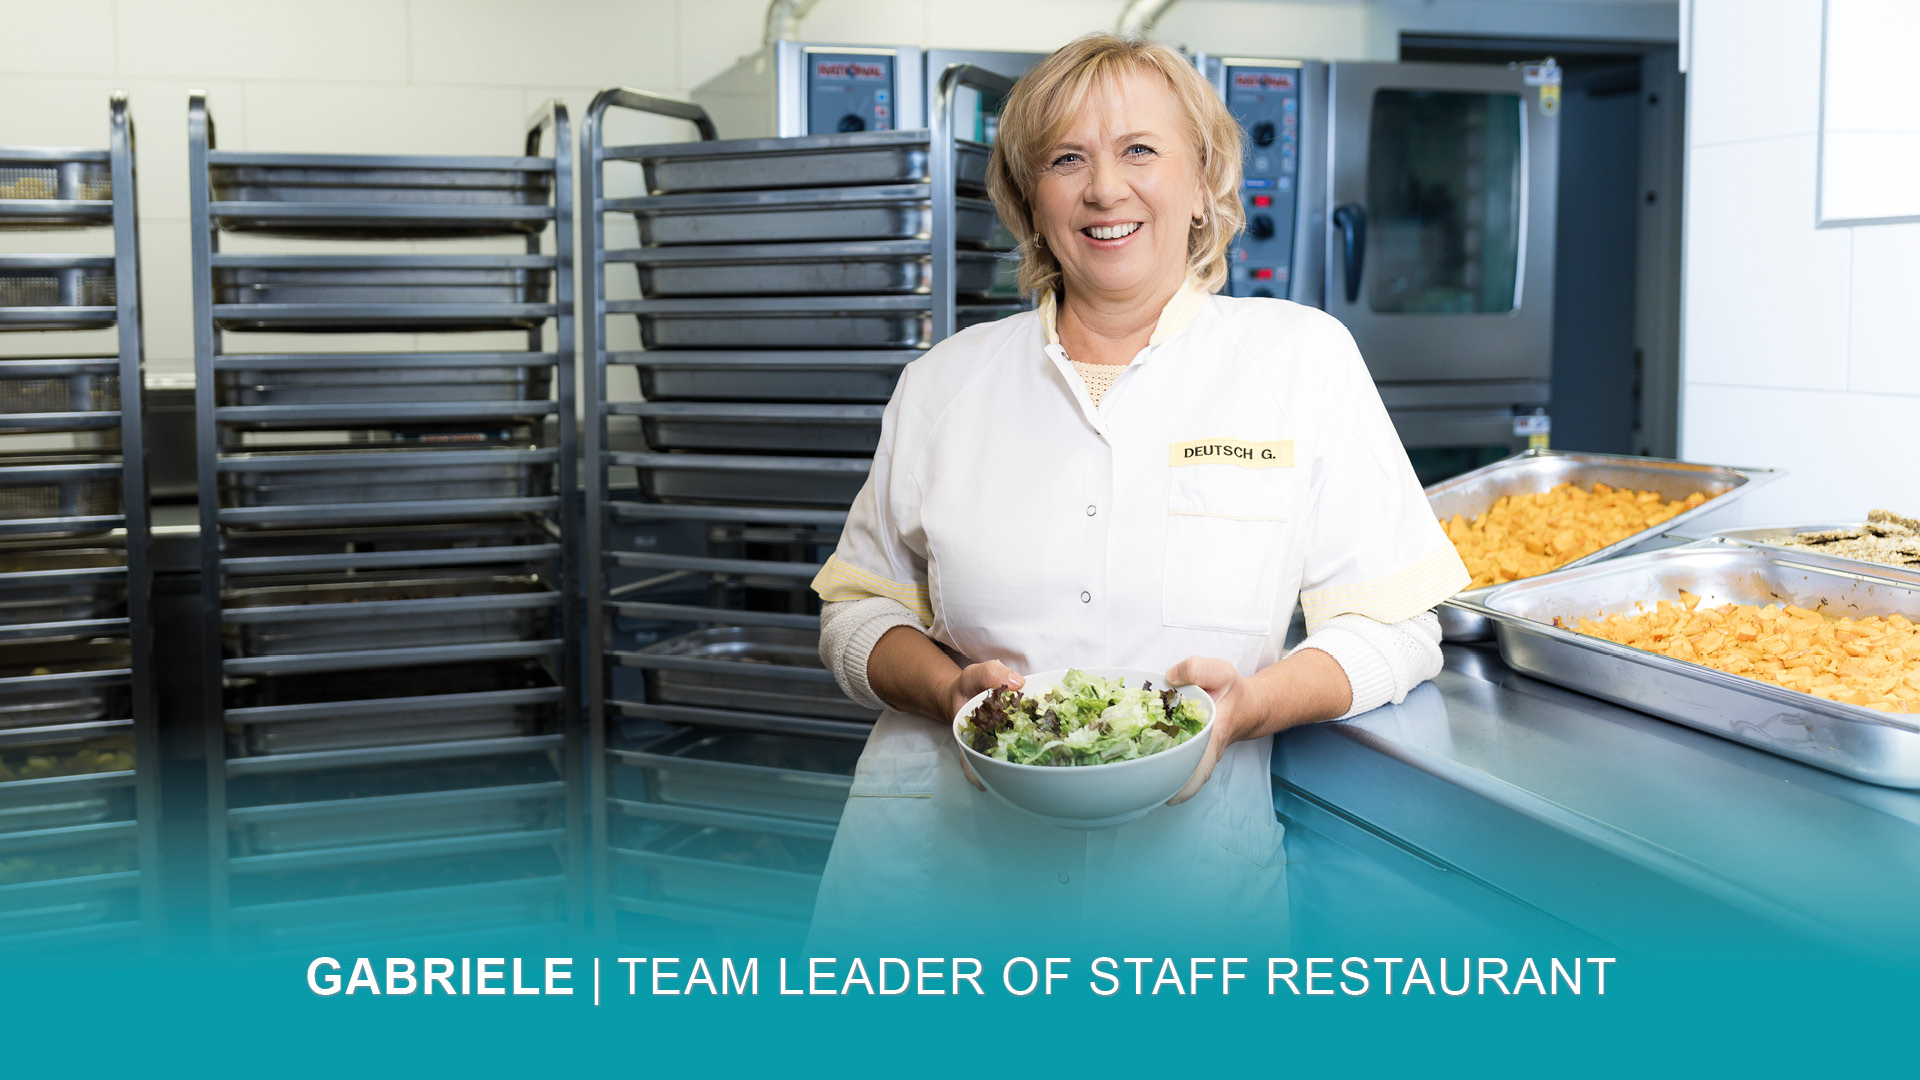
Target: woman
{"x": 1140, "y": 474}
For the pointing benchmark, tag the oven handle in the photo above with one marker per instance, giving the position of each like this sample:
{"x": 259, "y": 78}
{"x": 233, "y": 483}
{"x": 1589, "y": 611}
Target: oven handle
{"x": 1351, "y": 220}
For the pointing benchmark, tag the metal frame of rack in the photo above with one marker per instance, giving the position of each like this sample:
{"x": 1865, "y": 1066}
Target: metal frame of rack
{"x": 78, "y": 554}
{"x": 390, "y": 616}
{"x": 743, "y": 749}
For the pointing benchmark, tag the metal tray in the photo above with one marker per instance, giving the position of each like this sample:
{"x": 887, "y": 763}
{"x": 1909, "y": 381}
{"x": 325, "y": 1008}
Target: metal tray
{"x": 58, "y": 394}
{"x": 56, "y": 292}
{"x": 347, "y": 822}
{"x": 1881, "y": 748}
{"x": 50, "y": 684}
{"x": 746, "y": 772}
{"x": 835, "y": 160}
{"x": 50, "y": 918}
{"x": 810, "y": 322}
{"x": 759, "y": 429}
{"x": 735, "y": 479}
{"x": 883, "y": 267}
{"x": 264, "y": 186}
{"x": 62, "y": 585}
{"x": 45, "y": 495}
{"x": 394, "y": 382}
{"x": 1535, "y": 471}
{"x": 888, "y": 212}
{"x": 753, "y": 668}
{"x": 1761, "y": 536}
{"x": 712, "y": 867}
{"x": 966, "y": 315}
{"x": 866, "y": 377}
{"x": 353, "y": 293}
{"x": 65, "y": 802}
{"x": 38, "y": 191}
{"x": 394, "y": 610}
{"x": 311, "y": 477}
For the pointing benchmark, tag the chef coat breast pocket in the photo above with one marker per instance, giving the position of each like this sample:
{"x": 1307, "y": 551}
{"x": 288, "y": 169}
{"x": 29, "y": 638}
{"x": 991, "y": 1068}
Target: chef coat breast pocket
{"x": 1226, "y": 538}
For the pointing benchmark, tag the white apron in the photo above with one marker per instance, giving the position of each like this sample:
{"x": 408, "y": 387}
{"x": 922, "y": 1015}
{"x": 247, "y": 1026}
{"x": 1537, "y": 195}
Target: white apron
{"x": 1241, "y": 461}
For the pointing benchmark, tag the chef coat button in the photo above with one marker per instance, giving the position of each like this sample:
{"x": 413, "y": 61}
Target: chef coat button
{"x": 1064, "y": 879}
{"x": 1092, "y": 510}
{"x": 1086, "y": 598}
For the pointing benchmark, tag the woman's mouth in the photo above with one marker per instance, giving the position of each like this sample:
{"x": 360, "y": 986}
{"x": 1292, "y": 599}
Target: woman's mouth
{"x": 1111, "y": 232}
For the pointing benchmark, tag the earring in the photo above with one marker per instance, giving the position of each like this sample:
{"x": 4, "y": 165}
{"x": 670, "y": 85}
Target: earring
{"x": 1200, "y": 222}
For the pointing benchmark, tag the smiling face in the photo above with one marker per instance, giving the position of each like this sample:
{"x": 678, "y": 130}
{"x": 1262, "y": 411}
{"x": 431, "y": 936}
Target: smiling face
{"x": 1119, "y": 190}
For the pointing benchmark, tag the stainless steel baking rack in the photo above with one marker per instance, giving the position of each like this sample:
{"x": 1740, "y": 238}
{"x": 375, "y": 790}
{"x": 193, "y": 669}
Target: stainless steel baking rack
{"x": 775, "y": 289}
{"x": 79, "y": 754}
{"x": 387, "y": 561}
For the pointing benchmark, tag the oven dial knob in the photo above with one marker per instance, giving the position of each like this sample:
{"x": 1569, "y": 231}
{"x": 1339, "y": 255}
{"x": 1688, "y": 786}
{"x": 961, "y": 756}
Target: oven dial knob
{"x": 1260, "y": 227}
{"x": 853, "y": 122}
{"x": 1263, "y": 133}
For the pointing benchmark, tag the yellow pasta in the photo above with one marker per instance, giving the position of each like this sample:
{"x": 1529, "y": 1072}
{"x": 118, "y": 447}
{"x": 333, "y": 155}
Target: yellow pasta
{"x": 1524, "y": 535}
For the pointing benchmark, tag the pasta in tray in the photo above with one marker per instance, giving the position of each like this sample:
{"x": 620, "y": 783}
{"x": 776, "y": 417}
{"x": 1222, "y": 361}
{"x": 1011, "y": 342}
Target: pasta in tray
{"x": 1524, "y": 535}
{"x": 1872, "y": 661}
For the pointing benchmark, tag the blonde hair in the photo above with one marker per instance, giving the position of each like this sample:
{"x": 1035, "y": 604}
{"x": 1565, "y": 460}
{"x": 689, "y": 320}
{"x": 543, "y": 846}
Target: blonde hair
{"x": 1046, "y": 100}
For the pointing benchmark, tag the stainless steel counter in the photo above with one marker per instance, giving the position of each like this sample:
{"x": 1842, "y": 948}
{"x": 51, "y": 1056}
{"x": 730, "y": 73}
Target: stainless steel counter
{"x": 1554, "y": 814}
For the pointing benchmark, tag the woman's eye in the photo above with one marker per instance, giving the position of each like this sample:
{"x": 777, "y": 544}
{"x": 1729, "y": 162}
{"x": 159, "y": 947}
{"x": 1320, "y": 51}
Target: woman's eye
{"x": 1139, "y": 150}
{"x": 1066, "y": 159}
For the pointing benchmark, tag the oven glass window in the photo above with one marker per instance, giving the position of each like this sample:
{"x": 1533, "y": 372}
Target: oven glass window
{"x": 1443, "y": 199}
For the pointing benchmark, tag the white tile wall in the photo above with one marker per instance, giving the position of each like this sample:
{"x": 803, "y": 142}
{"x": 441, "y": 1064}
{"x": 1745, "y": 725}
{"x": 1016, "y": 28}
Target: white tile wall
{"x": 1755, "y": 70}
{"x": 1767, "y": 292}
{"x": 339, "y": 40}
{"x": 58, "y": 38}
{"x": 1800, "y": 343}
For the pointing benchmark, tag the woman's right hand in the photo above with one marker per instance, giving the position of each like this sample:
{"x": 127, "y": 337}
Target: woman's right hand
{"x": 974, "y": 678}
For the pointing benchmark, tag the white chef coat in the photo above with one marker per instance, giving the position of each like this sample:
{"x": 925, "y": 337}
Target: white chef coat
{"x": 1242, "y": 459}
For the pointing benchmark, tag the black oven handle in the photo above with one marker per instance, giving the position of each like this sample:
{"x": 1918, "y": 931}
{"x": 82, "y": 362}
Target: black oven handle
{"x": 1351, "y": 220}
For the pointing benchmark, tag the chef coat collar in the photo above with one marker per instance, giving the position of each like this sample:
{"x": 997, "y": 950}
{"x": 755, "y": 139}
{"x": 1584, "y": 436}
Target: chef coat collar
{"x": 1174, "y": 318}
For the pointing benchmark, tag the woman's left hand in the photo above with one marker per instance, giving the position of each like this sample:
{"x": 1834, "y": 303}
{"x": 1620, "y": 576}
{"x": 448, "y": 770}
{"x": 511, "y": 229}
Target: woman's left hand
{"x": 1234, "y": 711}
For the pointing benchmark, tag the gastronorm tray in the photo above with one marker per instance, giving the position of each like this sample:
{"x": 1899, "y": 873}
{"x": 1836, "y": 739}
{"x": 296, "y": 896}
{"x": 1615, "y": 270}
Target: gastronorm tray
{"x": 389, "y": 293}
{"x": 881, "y": 267}
{"x": 1762, "y": 536}
{"x": 62, "y": 585}
{"x": 266, "y": 192}
{"x": 264, "y": 830}
{"x": 42, "y": 190}
{"x": 43, "y": 495}
{"x": 56, "y": 292}
{"x": 753, "y": 668}
{"x": 390, "y": 610}
{"x": 884, "y": 212}
{"x": 733, "y": 479}
{"x": 1882, "y": 748}
{"x": 306, "y": 477}
{"x": 58, "y": 394}
{"x": 399, "y": 706}
{"x": 783, "y": 322}
{"x": 833, "y": 160}
{"x": 850, "y": 377}
{"x": 65, "y": 802}
{"x": 758, "y": 428}
{"x": 714, "y": 867}
{"x": 745, "y": 772}
{"x": 382, "y": 379}
{"x": 63, "y": 683}
{"x": 21, "y": 920}
{"x": 1536, "y": 471}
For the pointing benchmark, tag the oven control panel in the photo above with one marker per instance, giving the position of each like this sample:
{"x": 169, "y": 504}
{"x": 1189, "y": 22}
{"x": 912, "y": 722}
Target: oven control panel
{"x": 852, "y": 91}
{"x": 1266, "y": 102}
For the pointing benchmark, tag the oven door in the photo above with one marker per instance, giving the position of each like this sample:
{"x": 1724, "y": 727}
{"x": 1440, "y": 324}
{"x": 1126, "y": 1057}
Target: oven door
{"x": 1440, "y": 228}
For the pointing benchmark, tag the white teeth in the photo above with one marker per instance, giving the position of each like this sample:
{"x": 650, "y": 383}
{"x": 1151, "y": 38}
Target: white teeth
{"x": 1112, "y": 232}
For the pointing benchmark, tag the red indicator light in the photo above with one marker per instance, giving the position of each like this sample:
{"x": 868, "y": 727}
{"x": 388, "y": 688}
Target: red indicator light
{"x": 1263, "y": 273}
{"x": 1263, "y": 200}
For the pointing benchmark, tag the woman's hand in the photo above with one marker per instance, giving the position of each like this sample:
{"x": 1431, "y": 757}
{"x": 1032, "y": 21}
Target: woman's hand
{"x": 1301, "y": 689}
{"x": 1231, "y": 712}
{"x": 972, "y": 679}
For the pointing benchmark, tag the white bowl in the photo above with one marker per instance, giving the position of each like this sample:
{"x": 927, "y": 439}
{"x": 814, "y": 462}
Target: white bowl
{"x": 1090, "y": 796}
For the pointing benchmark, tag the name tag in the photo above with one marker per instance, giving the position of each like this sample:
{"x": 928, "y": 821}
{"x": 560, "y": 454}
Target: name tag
{"x": 1247, "y": 455}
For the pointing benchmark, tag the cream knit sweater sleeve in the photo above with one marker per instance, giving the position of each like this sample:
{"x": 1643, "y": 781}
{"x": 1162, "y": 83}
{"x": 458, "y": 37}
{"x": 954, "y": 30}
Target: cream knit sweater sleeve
{"x": 1383, "y": 661}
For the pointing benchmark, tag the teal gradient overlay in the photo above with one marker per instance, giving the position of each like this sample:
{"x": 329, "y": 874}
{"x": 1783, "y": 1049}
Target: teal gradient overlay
{"x": 1771, "y": 1010}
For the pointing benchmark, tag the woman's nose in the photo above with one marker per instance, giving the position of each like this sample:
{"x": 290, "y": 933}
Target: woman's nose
{"x": 1105, "y": 185}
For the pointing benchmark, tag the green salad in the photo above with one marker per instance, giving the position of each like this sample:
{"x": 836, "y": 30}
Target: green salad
{"x": 1086, "y": 720}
